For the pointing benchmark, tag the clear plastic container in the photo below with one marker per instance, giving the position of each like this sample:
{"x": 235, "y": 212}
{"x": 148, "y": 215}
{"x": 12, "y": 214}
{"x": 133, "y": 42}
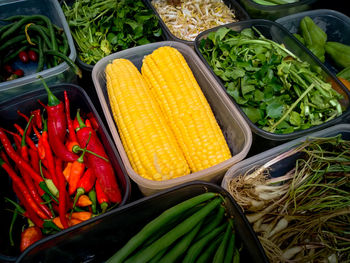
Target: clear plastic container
{"x": 235, "y": 129}
{"x": 283, "y": 166}
{"x": 8, "y": 116}
{"x": 240, "y": 13}
{"x": 60, "y": 73}
{"x": 335, "y": 24}
{"x": 98, "y": 239}
{"x": 273, "y": 12}
{"x": 263, "y": 140}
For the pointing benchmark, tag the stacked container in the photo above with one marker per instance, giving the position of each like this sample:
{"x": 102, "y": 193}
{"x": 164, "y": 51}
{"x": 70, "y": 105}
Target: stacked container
{"x": 62, "y": 72}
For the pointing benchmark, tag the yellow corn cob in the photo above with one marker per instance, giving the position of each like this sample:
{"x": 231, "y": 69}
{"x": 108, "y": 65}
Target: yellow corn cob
{"x": 149, "y": 143}
{"x": 186, "y": 108}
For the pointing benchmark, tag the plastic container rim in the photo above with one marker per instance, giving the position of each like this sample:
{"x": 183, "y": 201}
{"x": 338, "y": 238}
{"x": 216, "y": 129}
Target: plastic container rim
{"x": 277, "y": 7}
{"x": 47, "y": 72}
{"x": 316, "y": 13}
{"x": 147, "y": 183}
{"x": 256, "y": 129}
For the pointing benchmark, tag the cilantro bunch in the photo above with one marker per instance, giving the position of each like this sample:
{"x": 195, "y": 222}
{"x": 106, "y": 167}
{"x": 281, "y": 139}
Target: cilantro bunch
{"x": 276, "y": 90}
{"x": 102, "y": 27}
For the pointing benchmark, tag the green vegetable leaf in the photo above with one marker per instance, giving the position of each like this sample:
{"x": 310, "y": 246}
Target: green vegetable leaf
{"x": 253, "y": 114}
{"x": 274, "y": 109}
{"x": 295, "y": 119}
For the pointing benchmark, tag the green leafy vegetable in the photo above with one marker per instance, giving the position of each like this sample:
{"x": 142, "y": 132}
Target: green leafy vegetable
{"x": 102, "y": 27}
{"x": 275, "y": 89}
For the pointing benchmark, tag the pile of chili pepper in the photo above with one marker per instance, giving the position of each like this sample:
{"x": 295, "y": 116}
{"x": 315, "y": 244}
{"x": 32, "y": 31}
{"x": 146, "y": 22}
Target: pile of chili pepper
{"x": 59, "y": 169}
{"x": 32, "y": 38}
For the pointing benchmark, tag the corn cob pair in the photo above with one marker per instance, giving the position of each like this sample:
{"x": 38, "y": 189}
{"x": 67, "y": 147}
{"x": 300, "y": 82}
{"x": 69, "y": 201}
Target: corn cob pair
{"x": 164, "y": 120}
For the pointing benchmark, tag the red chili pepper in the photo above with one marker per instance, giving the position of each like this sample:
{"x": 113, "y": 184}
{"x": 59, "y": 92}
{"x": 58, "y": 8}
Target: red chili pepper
{"x": 3, "y": 156}
{"x": 18, "y": 159}
{"x": 71, "y": 144}
{"x": 23, "y": 189}
{"x": 102, "y": 198}
{"x": 29, "y": 141}
{"x": 71, "y": 131}
{"x": 56, "y": 126}
{"x": 29, "y": 212}
{"x": 88, "y": 123}
{"x": 93, "y": 121}
{"x": 102, "y": 169}
{"x": 44, "y": 142}
{"x": 34, "y": 160}
{"x": 85, "y": 184}
{"x": 62, "y": 193}
{"x": 16, "y": 138}
{"x": 37, "y": 118}
{"x": 77, "y": 171}
{"x": 34, "y": 193}
{"x": 29, "y": 236}
{"x": 76, "y": 124}
{"x": 24, "y": 148}
{"x": 27, "y": 120}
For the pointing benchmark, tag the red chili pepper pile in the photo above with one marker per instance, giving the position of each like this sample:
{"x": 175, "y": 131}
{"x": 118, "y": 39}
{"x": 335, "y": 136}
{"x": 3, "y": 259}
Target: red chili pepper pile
{"x": 59, "y": 169}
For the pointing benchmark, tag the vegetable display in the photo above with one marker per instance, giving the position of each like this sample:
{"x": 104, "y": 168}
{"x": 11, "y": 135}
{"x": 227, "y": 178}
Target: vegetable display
{"x": 195, "y": 230}
{"x": 55, "y": 167}
{"x": 100, "y": 28}
{"x": 303, "y": 214}
{"x": 164, "y": 120}
{"x": 186, "y": 19}
{"x": 32, "y": 39}
{"x": 274, "y": 88}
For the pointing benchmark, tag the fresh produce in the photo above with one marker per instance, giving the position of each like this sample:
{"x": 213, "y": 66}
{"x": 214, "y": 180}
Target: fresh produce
{"x": 36, "y": 159}
{"x": 176, "y": 234}
{"x": 32, "y": 39}
{"x": 275, "y": 89}
{"x": 303, "y": 214}
{"x": 339, "y": 53}
{"x": 314, "y": 37}
{"x": 186, "y": 19}
{"x": 166, "y": 126}
{"x": 102, "y": 27}
{"x": 275, "y": 2}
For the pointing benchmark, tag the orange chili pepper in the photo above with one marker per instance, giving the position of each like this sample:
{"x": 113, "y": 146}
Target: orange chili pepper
{"x": 83, "y": 201}
{"x": 66, "y": 171}
{"x": 83, "y": 216}
{"x": 77, "y": 170}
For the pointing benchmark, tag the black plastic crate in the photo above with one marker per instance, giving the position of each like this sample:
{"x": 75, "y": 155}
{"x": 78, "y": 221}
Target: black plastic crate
{"x": 263, "y": 140}
{"x": 103, "y": 236}
{"x": 8, "y": 116}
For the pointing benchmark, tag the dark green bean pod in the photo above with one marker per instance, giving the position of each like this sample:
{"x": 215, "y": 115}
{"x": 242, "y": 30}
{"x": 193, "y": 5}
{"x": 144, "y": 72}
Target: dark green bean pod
{"x": 66, "y": 59}
{"x": 196, "y": 248}
{"x": 220, "y": 253}
{"x": 174, "y": 253}
{"x": 230, "y": 249}
{"x": 156, "y": 224}
{"x": 41, "y": 33}
{"x": 209, "y": 252}
{"x": 13, "y": 41}
{"x": 213, "y": 223}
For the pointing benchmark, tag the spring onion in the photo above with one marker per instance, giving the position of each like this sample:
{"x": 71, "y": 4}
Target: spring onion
{"x": 304, "y": 215}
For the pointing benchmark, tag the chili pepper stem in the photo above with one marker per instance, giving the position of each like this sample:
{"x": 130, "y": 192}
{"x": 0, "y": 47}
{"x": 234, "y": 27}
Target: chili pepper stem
{"x": 77, "y": 149}
{"x": 52, "y": 100}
